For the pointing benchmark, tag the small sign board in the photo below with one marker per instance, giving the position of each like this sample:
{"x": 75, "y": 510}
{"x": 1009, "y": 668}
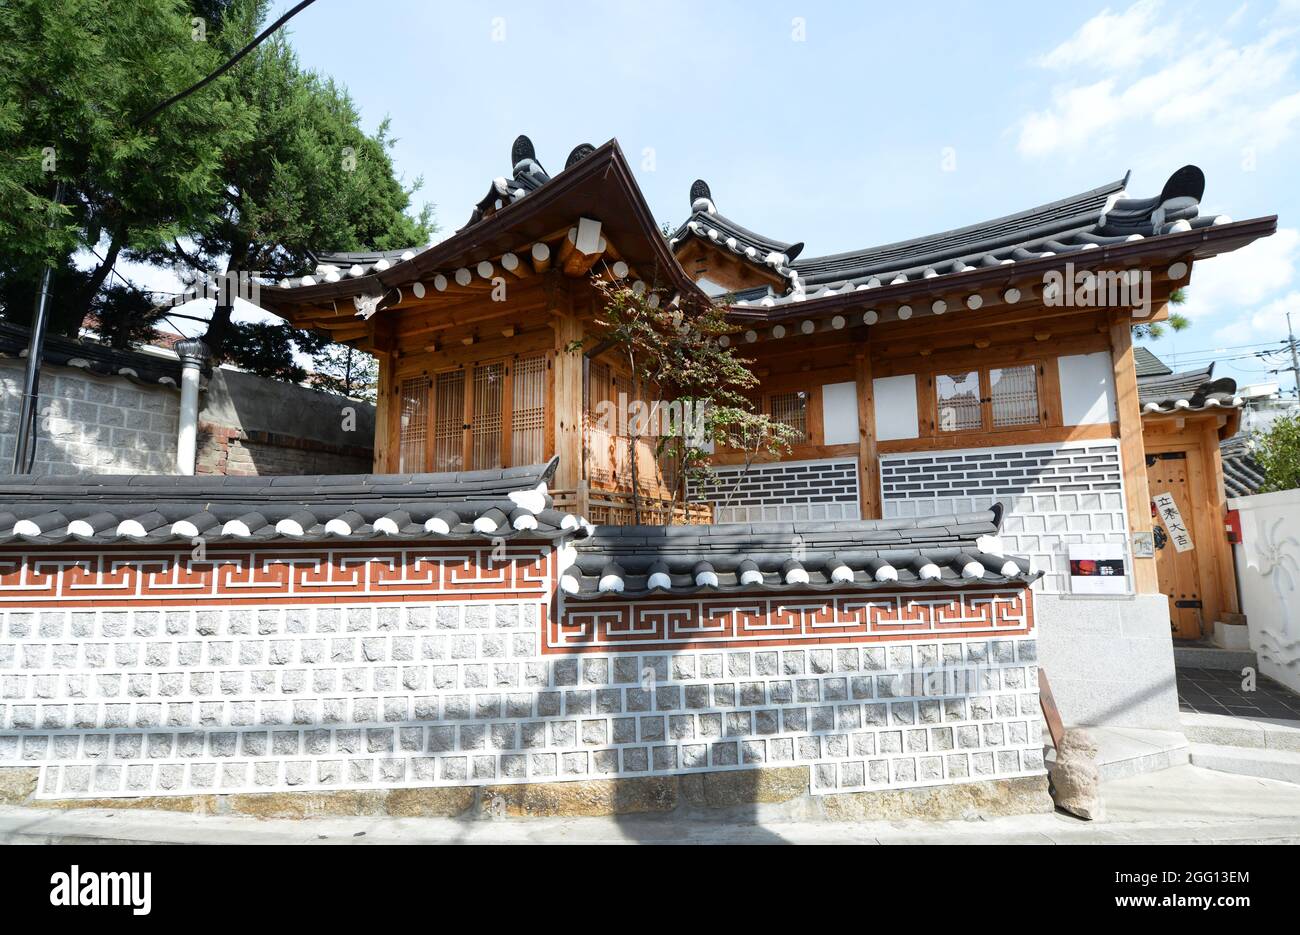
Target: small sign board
{"x": 1098, "y": 568}
{"x": 1144, "y": 545}
{"x": 1167, "y": 510}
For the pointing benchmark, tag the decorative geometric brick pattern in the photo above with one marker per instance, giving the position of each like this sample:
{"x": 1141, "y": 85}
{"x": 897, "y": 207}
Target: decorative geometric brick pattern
{"x": 790, "y": 620}
{"x": 783, "y": 491}
{"x": 220, "y": 699}
{"x": 1056, "y": 495}
{"x": 285, "y": 575}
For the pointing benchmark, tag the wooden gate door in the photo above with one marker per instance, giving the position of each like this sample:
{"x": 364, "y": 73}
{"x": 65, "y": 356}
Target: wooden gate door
{"x": 1167, "y": 473}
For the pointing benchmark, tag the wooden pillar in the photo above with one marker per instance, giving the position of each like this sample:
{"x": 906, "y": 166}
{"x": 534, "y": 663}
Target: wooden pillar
{"x": 868, "y": 459}
{"x": 387, "y": 405}
{"x": 1218, "y": 508}
{"x": 1132, "y": 451}
{"x": 568, "y": 399}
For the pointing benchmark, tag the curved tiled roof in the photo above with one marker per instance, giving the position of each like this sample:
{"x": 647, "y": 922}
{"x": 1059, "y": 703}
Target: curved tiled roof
{"x": 332, "y": 267}
{"x": 1242, "y": 476}
{"x": 1086, "y": 221}
{"x": 1190, "y": 391}
{"x": 126, "y": 509}
{"x": 957, "y": 550}
{"x": 707, "y": 224}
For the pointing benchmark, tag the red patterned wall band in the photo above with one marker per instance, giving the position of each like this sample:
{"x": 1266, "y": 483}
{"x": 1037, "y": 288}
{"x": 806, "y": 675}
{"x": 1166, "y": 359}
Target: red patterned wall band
{"x": 789, "y": 620}
{"x": 284, "y": 575}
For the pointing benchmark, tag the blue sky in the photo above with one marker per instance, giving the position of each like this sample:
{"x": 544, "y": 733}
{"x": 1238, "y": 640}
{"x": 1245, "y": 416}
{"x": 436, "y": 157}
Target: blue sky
{"x": 851, "y": 124}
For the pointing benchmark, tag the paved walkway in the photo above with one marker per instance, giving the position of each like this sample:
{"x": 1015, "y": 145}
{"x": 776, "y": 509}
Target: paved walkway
{"x": 1219, "y": 691}
{"x": 1180, "y": 805}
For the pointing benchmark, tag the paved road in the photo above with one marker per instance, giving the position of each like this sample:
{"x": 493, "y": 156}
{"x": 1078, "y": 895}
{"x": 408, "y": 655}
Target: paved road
{"x": 1181, "y": 805}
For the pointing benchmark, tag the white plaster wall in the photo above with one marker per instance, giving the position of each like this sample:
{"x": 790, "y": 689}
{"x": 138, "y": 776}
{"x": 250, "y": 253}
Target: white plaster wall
{"x": 896, "y": 413}
{"x": 1268, "y": 570}
{"x": 1087, "y": 389}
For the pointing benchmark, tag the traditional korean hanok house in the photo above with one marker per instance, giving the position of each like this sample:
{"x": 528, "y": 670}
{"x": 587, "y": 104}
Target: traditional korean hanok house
{"x": 861, "y": 620}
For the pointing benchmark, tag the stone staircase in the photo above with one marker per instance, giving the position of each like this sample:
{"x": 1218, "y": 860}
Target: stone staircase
{"x": 1268, "y": 748}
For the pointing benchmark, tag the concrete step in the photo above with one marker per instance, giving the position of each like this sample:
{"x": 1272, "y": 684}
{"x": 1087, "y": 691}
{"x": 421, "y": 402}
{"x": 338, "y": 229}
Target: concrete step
{"x": 1212, "y": 657}
{"x": 1283, "y": 765}
{"x": 1256, "y": 733}
{"x": 1130, "y": 751}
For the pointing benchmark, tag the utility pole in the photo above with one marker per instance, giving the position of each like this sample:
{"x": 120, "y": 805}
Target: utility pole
{"x": 1295, "y": 358}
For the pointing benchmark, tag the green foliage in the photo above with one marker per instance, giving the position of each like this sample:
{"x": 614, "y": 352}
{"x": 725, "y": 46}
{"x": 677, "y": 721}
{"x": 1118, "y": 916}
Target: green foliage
{"x": 337, "y": 368}
{"x": 75, "y": 76}
{"x": 1277, "y": 452}
{"x": 248, "y": 174}
{"x": 268, "y": 350}
{"x": 1176, "y": 322}
{"x": 125, "y": 317}
{"x": 674, "y": 355}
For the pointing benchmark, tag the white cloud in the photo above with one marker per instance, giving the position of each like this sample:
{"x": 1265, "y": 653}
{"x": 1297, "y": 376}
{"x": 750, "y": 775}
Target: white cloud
{"x": 1250, "y": 278}
{"x": 1239, "y": 95}
{"x": 1114, "y": 41}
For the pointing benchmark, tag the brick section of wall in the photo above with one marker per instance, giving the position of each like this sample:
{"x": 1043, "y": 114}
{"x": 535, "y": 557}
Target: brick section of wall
{"x": 1056, "y": 495}
{"x": 783, "y": 491}
{"x": 150, "y": 700}
{"x": 224, "y": 450}
{"x": 93, "y": 424}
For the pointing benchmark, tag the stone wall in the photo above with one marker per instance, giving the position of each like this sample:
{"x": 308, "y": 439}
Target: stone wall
{"x": 1110, "y": 660}
{"x": 95, "y": 424}
{"x": 398, "y": 668}
{"x": 92, "y": 424}
{"x": 251, "y": 425}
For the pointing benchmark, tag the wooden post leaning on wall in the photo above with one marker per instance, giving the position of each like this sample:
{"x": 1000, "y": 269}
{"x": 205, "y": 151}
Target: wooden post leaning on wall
{"x": 568, "y": 392}
{"x": 868, "y": 459}
{"x": 1132, "y": 451}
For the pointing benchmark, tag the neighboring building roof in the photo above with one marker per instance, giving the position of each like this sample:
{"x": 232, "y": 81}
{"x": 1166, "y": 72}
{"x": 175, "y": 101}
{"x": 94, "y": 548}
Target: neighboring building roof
{"x": 950, "y": 551}
{"x": 1189, "y": 391}
{"x": 1148, "y": 364}
{"x": 145, "y": 369}
{"x": 1242, "y": 475}
{"x": 128, "y": 509}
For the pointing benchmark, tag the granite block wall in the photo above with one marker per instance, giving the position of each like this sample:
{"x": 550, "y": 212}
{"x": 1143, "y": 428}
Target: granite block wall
{"x": 154, "y": 698}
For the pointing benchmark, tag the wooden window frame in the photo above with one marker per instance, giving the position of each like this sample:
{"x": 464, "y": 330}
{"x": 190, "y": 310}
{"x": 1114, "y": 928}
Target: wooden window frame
{"x": 813, "y": 428}
{"x": 508, "y": 363}
{"x": 986, "y": 426}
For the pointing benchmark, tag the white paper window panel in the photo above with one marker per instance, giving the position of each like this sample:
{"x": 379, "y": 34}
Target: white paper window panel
{"x": 840, "y": 413}
{"x": 1087, "y": 389}
{"x": 895, "y": 407}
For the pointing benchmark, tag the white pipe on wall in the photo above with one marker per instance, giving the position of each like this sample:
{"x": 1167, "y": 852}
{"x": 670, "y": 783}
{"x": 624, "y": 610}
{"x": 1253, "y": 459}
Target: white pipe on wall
{"x": 194, "y": 355}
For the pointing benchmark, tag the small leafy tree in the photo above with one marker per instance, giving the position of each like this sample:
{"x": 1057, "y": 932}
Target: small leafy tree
{"x": 674, "y": 355}
{"x": 1277, "y": 452}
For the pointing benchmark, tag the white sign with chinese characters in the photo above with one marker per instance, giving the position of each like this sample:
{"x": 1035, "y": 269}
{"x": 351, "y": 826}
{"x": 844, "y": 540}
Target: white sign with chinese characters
{"x": 1168, "y": 512}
